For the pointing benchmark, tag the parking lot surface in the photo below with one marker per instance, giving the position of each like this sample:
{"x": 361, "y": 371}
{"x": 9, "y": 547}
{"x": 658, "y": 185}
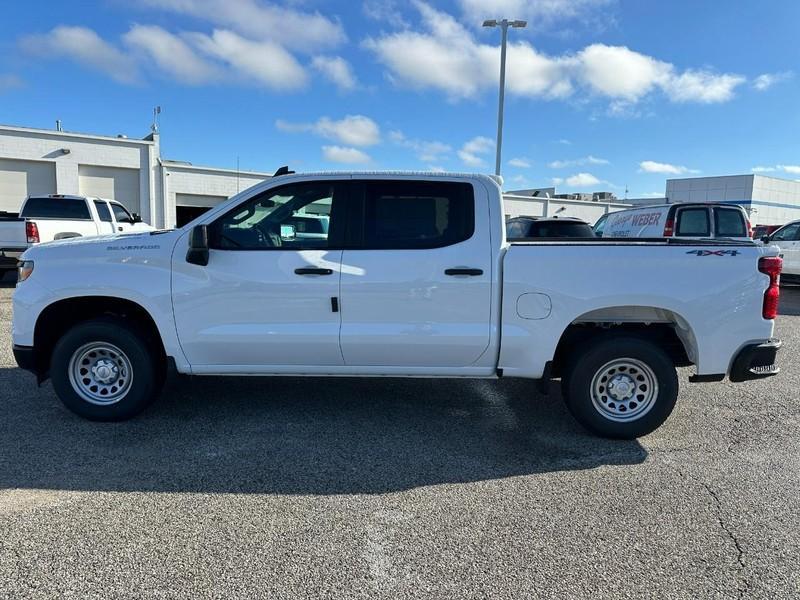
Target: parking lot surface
{"x": 346, "y": 488}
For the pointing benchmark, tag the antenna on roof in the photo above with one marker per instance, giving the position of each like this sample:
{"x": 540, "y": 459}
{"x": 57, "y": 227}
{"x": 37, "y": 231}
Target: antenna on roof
{"x": 156, "y": 112}
{"x": 284, "y": 170}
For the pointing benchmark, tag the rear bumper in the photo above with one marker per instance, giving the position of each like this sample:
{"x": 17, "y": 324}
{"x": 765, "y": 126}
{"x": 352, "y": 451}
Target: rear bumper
{"x": 25, "y": 357}
{"x": 756, "y": 361}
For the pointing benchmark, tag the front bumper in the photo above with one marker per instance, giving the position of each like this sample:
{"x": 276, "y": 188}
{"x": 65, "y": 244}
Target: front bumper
{"x": 25, "y": 357}
{"x": 756, "y": 361}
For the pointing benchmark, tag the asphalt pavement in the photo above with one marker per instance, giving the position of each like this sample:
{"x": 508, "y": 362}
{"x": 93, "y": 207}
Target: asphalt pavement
{"x": 348, "y": 488}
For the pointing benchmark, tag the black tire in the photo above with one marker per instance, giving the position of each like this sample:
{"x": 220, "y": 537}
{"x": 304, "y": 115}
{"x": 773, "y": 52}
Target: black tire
{"x": 146, "y": 369}
{"x": 597, "y": 411}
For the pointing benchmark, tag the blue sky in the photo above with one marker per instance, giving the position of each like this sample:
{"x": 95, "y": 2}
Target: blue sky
{"x": 602, "y": 94}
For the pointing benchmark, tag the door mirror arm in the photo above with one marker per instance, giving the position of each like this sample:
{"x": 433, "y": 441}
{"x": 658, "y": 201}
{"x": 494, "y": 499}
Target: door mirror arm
{"x": 198, "y": 253}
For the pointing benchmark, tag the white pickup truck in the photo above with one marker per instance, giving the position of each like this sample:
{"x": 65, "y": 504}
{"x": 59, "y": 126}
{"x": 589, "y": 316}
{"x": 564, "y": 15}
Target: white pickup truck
{"x": 56, "y": 217}
{"x": 413, "y": 278}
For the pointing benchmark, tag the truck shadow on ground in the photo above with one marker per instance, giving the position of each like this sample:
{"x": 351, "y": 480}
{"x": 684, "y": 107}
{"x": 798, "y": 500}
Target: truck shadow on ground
{"x": 298, "y": 436}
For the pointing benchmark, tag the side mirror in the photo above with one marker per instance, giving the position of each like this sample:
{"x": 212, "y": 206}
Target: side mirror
{"x": 288, "y": 232}
{"x": 135, "y": 218}
{"x": 766, "y": 239}
{"x": 197, "y": 254}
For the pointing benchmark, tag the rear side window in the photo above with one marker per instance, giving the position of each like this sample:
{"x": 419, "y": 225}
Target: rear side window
{"x": 515, "y": 230}
{"x": 102, "y": 211}
{"x": 729, "y": 222}
{"x": 411, "y": 214}
{"x": 56, "y": 208}
{"x": 693, "y": 222}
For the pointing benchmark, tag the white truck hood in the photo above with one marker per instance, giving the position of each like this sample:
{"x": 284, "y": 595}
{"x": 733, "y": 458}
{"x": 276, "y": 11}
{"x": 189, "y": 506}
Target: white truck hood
{"x": 87, "y": 247}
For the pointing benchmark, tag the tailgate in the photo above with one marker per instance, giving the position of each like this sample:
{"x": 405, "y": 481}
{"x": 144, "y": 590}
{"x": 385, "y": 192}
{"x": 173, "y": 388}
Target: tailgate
{"x": 12, "y": 234}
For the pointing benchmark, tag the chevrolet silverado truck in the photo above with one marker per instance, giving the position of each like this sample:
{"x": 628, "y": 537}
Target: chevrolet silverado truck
{"x": 413, "y": 277}
{"x": 58, "y": 216}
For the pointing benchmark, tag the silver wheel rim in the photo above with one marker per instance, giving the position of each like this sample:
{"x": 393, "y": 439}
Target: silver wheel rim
{"x": 100, "y": 373}
{"x": 624, "y": 390}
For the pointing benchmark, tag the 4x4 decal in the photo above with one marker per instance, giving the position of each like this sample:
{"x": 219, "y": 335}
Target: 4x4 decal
{"x": 714, "y": 252}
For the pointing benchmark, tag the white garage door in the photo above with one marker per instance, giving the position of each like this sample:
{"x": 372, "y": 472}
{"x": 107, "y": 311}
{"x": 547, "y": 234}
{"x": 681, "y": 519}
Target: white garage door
{"x": 22, "y": 178}
{"x": 113, "y": 183}
{"x": 198, "y": 200}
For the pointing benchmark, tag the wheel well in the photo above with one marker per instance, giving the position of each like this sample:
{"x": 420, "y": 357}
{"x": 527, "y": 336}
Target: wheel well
{"x": 59, "y": 317}
{"x": 577, "y": 334}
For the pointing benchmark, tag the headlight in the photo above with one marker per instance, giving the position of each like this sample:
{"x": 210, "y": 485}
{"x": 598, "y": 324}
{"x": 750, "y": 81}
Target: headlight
{"x": 24, "y": 270}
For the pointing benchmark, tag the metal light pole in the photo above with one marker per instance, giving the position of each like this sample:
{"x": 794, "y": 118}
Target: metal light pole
{"x": 504, "y": 24}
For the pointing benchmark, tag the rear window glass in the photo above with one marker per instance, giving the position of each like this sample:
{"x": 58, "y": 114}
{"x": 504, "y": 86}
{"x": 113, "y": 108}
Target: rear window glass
{"x": 729, "y": 222}
{"x": 400, "y": 215}
{"x": 102, "y": 211}
{"x": 693, "y": 222}
{"x": 562, "y": 229}
{"x": 56, "y": 208}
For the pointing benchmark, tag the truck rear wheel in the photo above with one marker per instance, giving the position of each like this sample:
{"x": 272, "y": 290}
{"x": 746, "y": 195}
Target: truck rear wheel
{"x": 621, "y": 387}
{"x": 103, "y": 370}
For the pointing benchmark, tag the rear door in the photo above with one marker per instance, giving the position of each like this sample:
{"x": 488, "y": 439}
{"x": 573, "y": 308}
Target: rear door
{"x": 106, "y": 221}
{"x": 416, "y": 279}
{"x": 788, "y": 240}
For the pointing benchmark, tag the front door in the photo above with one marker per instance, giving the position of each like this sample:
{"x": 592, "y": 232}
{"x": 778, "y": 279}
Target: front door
{"x": 416, "y": 285}
{"x": 268, "y": 296}
{"x": 786, "y": 239}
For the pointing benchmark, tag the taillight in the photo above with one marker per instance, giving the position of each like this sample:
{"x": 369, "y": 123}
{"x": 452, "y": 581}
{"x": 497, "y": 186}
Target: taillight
{"x": 669, "y": 228}
{"x": 32, "y": 232}
{"x": 771, "y": 265}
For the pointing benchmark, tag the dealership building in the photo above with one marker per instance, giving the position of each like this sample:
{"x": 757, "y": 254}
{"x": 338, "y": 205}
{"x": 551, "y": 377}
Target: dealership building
{"x": 169, "y": 193}
{"x": 164, "y": 192}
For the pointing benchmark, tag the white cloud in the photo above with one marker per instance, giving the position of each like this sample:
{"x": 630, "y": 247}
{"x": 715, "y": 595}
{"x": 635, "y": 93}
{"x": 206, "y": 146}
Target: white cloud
{"x": 702, "y": 86}
{"x": 583, "y": 180}
{"x": 85, "y": 47}
{"x": 172, "y": 54}
{"x": 336, "y": 70}
{"x": 353, "y": 130}
{"x": 10, "y": 82}
{"x": 425, "y": 150}
{"x": 445, "y": 56}
{"x": 651, "y": 166}
{"x": 472, "y": 152}
{"x": 384, "y": 11}
{"x": 349, "y": 156}
{"x": 766, "y": 80}
{"x": 436, "y": 168}
{"x": 578, "y": 162}
{"x": 790, "y": 169}
{"x": 263, "y": 63}
{"x": 302, "y": 31}
{"x": 537, "y": 13}
{"x": 522, "y": 163}
{"x": 557, "y": 180}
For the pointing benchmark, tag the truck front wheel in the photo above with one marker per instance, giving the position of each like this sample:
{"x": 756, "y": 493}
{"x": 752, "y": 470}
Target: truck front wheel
{"x": 103, "y": 370}
{"x": 620, "y": 387}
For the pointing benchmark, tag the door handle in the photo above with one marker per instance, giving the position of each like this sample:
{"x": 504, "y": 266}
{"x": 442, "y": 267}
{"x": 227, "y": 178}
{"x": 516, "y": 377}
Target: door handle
{"x": 313, "y": 271}
{"x": 464, "y": 271}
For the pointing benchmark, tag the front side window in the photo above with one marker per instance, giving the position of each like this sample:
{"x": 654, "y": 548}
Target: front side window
{"x": 297, "y": 216}
{"x": 120, "y": 213}
{"x": 693, "y": 222}
{"x": 413, "y": 215}
{"x": 102, "y": 211}
{"x": 729, "y": 222}
{"x": 69, "y": 209}
{"x": 787, "y": 234}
